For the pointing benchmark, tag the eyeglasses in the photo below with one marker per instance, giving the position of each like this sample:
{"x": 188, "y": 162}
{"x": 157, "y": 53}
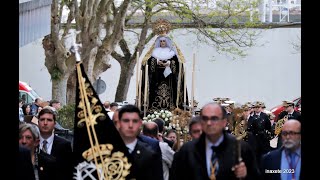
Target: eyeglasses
{"x": 212, "y": 118}
{"x": 291, "y": 133}
{"x": 196, "y": 131}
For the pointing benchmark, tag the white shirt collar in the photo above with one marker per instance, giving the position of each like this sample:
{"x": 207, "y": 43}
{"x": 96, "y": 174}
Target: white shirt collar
{"x": 219, "y": 141}
{"x": 132, "y": 145}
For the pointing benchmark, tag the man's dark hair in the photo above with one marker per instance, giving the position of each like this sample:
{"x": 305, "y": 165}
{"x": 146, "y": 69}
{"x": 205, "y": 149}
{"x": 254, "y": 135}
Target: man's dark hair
{"x": 53, "y": 101}
{"x": 160, "y": 123}
{"x": 113, "y": 104}
{"x": 224, "y": 112}
{"x": 150, "y": 129}
{"x": 47, "y": 111}
{"x": 37, "y": 100}
{"x": 130, "y": 109}
{"x": 194, "y": 120}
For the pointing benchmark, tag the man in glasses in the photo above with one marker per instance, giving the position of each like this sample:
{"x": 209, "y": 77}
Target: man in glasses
{"x": 285, "y": 163}
{"x": 214, "y": 154}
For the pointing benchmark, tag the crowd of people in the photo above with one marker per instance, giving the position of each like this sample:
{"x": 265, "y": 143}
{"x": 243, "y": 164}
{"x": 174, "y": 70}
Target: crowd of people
{"x": 212, "y": 152}
{"x": 226, "y": 142}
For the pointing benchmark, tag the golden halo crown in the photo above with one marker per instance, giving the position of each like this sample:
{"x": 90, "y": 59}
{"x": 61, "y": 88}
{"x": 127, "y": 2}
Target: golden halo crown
{"x": 161, "y": 27}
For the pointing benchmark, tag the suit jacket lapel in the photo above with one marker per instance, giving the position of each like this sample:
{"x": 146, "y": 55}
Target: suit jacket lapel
{"x": 137, "y": 152}
{"x": 200, "y": 154}
{"x": 54, "y": 146}
{"x": 277, "y": 163}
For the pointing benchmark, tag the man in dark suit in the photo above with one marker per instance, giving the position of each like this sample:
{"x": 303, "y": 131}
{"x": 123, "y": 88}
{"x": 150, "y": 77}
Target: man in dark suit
{"x": 284, "y": 163}
{"x": 153, "y": 143}
{"x": 260, "y": 126}
{"x": 145, "y": 161}
{"x": 56, "y": 146}
{"x": 160, "y": 122}
{"x": 289, "y": 113}
{"x": 214, "y": 155}
{"x": 24, "y": 167}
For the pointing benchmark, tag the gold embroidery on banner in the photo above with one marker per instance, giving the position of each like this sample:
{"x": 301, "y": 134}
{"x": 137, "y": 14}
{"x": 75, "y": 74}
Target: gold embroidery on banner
{"x": 108, "y": 165}
{"x": 116, "y": 164}
{"x": 96, "y": 109}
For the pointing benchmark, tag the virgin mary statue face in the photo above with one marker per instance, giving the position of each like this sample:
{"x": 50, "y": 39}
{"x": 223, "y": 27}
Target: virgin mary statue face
{"x": 163, "y": 43}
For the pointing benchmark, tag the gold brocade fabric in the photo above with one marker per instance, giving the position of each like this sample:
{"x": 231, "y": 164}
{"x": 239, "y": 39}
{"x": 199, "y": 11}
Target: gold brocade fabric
{"x": 163, "y": 93}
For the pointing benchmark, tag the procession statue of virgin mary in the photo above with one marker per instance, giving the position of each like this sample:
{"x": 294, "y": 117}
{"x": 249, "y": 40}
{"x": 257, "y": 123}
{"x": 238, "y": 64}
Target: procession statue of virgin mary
{"x": 165, "y": 73}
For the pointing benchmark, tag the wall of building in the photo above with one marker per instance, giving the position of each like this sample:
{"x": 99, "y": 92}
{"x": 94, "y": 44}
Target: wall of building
{"x": 271, "y": 72}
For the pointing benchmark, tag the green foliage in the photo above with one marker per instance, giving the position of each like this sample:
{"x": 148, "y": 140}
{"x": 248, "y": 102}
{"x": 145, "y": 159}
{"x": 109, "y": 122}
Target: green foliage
{"x": 66, "y": 116}
{"x": 56, "y": 73}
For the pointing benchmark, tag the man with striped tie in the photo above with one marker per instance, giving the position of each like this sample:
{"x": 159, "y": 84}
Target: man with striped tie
{"x": 214, "y": 155}
{"x": 54, "y": 145}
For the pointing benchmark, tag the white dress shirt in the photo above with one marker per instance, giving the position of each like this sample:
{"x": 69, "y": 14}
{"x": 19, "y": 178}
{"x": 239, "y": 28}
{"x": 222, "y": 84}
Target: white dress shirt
{"x": 132, "y": 145}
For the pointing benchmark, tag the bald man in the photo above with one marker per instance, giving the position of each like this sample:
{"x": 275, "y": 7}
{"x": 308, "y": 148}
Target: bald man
{"x": 285, "y": 163}
{"x": 151, "y": 129}
{"x": 211, "y": 155}
{"x": 106, "y": 105}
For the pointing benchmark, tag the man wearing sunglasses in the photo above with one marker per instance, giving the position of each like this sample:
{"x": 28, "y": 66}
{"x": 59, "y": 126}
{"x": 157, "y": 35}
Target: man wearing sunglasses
{"x": 214, "y": 154}
{"x": 285, "y": 163}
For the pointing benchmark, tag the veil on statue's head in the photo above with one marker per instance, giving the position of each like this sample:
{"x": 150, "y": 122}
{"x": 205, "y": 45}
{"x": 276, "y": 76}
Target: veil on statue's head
{"x": 162, "y": 27}
{"x": 168, "y": 41}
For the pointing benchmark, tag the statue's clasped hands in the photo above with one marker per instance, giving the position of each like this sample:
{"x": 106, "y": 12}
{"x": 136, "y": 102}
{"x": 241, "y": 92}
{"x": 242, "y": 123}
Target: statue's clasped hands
{"x": 164, "y": 63}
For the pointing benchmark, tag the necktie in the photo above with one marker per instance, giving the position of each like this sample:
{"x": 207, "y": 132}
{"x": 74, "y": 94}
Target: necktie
{"x": 214, "y": 164}
{"x": 292, "y": 164}
{"x": 130, "y": 151}
{"x": 44, "y": 146}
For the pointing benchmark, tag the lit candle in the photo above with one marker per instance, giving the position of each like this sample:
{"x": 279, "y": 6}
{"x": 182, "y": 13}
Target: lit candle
{"x": 184, "y": 88}
{"x": 192, "y": 90}
{"x": 137, "y": 77}
{"x": 145, "y": 89}
{"x": 139, "y": 99}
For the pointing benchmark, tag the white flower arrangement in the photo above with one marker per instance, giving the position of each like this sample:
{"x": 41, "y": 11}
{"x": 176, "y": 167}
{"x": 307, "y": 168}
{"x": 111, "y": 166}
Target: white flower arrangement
{"x": 163, "y": 114}
{"x": 180, "y": 121}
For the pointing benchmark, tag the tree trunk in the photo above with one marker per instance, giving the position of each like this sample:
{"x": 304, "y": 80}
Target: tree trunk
{"x": 124, "y": 81}
{"x": 71, "y": 88}
{"x": 59, "y": 90}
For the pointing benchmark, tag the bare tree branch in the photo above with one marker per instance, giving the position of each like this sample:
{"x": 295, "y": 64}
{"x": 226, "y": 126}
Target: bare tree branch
{"x": 71, "y": 7}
